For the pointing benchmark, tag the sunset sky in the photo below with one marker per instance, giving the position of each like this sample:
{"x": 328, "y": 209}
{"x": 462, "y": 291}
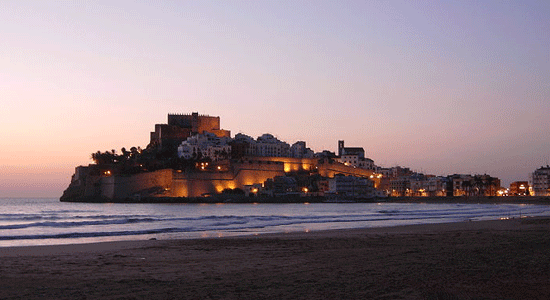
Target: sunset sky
{"x": 442, "y": 87}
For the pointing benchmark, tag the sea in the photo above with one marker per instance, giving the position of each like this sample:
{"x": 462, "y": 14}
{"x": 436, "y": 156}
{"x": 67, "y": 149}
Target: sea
{"x": 40, "y": 221}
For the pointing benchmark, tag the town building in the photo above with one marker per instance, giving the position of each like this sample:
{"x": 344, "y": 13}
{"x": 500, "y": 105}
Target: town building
{"x": 477, "y": 185}
{"x": 299, "y": 150}
{"x": 281, "y": 185}
{"x": 351, "y": 186}
{"x": 519, "y": 188}
{"x": 436, "y": 186}
{"x": 354, "y": 157}
{"x": 400, "y": 186}
{"x": 540, "y": 180}
{"x": 460, "y": 184}
{"x": 205, "y": 145}
{"x": 265, "y": 146}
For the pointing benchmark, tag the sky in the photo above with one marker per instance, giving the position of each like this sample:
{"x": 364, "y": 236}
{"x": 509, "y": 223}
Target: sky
{"x": 442, "y": 87}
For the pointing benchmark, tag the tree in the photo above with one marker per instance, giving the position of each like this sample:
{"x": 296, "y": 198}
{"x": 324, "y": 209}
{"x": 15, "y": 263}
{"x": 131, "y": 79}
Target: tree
{"x": 466, "y": 186}
{"x": 125, "y": 154}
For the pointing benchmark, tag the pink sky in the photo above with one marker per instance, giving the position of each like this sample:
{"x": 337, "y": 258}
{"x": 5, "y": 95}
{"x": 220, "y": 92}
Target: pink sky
{"x": 443, "y": 88}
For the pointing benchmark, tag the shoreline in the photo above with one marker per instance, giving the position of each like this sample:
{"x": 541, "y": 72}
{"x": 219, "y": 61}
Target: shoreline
{"x": 538, "y": 200}
{"x": 216, "y": 234}
{"x": 496, "y": 224}
{"x": 125, "y": 244}
{"x": 237, "y": 199}
{"x": 466, "y": 260}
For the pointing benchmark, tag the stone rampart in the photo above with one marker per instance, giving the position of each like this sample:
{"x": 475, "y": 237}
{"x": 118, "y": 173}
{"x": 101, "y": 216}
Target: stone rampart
{"x": 143, "y": 184}
{"x": 247, "y": 172}
{"x": 327, "y": 169}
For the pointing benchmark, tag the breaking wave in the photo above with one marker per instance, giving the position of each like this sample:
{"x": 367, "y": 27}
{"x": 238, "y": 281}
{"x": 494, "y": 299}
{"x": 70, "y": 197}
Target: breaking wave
{"x": 53, "y": 220}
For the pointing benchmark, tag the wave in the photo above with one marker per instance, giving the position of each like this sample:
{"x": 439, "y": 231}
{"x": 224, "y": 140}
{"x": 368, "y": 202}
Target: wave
{"x": 66, "y": 224}
{"x": 78, "y": 224}
{"x": 73, "y": 235}
{"x": 233, "y": 220}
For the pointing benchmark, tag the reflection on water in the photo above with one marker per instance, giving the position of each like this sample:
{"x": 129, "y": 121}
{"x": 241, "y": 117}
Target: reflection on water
{"x": 48, "y": 221}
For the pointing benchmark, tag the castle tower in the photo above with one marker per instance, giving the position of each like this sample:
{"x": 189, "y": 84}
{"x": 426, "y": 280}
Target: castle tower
{"x": 340, "y": 147}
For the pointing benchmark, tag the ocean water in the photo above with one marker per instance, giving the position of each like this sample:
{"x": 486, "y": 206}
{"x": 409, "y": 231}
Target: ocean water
{"x": 25, "y": 222}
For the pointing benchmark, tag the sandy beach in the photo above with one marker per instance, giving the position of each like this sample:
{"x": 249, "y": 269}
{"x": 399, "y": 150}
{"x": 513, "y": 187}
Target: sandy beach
{"x": 502, "y": 259}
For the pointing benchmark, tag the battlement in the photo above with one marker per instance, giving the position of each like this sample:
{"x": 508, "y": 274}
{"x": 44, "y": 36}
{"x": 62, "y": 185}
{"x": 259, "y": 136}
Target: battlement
{"x": 182, "y": 126}
{"x": 190, "y": 115}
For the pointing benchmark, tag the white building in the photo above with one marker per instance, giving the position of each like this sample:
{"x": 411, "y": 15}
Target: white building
{"x": 436, "y": 186}
{"x": 354, "y": 160}
{"x": 299, "y": 150}
{"x": 540, "y": 180}
{"x": 266, "y": 145}
{"x": 418, "y": 185}
{"x": 461, "y": 184}
{"x": 205, "y": 145}
{"x": 354, "y": 157}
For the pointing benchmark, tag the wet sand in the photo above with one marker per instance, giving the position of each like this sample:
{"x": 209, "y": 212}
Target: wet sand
{"x": 503, "y": 259}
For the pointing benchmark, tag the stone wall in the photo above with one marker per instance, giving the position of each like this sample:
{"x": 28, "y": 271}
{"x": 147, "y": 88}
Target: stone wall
{"x": 248, "y": 171}
{"x": 138, "y": 185}
{"x": 325, "y": 168}
{"x": 197, "y": 184}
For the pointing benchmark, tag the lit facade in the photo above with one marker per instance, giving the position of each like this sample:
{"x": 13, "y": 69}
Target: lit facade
{"x": 519, "y": 188}
{"x": 354, "y": 157}
{"x": 477, "y": 185}
{"x": 206, "y": 145}
{"x": 266, "y": 146}
{"x": 540, "y": 180}
{"x": 351, "y": 186}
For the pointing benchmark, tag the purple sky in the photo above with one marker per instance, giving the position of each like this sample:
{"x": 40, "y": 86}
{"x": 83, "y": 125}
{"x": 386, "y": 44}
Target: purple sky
{"x": 441, "y": 87}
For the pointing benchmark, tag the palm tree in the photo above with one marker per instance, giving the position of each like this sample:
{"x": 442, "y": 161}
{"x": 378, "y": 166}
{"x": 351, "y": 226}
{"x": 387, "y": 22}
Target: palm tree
{"x": 125, "y": 154}
{"x": 479, "y": 185}
{"x": 466, "y": 186}
{"x": 491, "y": 181}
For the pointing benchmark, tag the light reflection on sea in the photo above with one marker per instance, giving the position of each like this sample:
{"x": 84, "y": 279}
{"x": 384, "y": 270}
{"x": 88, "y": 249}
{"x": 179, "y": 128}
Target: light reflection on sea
{"x": 26, "y": 222}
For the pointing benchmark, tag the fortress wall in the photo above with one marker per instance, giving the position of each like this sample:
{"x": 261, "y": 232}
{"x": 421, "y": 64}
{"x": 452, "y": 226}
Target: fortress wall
{"x": 195, "y": 184}
{"x": 184, "y": 121}
{"x": 107, "y": 187}
{"x": 325, "y": 169}
{"x": 126, "y": 186}
{"x": 221, "y": 133}
{"x": 331, "y": 169}
{"x": 291, "y": 164}
{"x": 247, "y": 173}
{"x": 196, "y": 123}
{"x": 207, "y": 123}
{"x": 92, "y": 186}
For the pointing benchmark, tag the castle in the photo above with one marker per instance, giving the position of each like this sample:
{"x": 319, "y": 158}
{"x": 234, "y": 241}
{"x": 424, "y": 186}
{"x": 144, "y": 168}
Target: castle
{"x": 182, "y": 126}
{"x": 208, "y": 162}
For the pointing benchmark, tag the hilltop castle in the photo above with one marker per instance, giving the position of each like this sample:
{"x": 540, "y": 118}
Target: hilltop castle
{"x": 182, "y": 126}
{"x": 191, "y": 157}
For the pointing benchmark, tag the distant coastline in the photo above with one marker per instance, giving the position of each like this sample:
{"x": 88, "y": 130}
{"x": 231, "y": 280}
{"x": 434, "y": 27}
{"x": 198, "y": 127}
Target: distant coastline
{"x": 319, "y": 199}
